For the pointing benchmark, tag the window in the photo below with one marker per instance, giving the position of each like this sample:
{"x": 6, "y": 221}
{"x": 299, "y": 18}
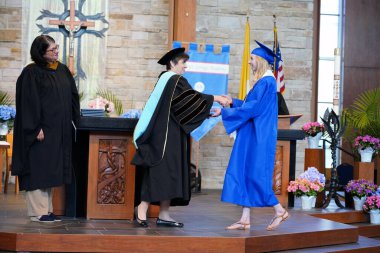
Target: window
{"x": 330, "y": 37}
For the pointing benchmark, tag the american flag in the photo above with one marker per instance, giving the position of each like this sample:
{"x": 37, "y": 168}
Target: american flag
{"x": 278, "y": 65}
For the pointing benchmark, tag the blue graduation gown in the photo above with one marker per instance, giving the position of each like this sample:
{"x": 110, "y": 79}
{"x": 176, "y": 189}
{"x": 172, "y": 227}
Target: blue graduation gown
{"x": 248, "y": 179}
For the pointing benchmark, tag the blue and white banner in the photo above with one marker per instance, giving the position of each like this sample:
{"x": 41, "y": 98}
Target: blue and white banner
{"x": 207, "y": 72}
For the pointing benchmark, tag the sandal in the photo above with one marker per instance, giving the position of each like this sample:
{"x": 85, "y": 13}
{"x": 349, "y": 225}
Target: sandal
{"x": 283, "y": 217}
{"x": 239, "y": 226}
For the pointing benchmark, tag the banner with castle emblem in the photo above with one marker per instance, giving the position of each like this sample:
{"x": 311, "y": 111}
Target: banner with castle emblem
{"x": 207, "y": 72}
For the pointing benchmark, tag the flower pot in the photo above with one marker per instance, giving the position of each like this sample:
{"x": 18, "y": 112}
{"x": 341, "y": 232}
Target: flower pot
{"x": 366, "y": 155}
{"x": 358, "y": 203}
{"x": 313, "y": 141}
{"x": 4, "y": 128}
{"x": 374, "y": 216}
{"x": 307, "y": 202}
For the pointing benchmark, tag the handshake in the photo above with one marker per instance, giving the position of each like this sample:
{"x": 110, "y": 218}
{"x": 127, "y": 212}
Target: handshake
{"x": 224, "y": 101}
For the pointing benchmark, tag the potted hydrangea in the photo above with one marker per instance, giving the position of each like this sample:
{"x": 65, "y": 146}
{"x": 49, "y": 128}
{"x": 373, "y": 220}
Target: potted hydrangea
{"x": 307, "y": 185}
{"x": 313, "y": 132}
{"x": 372, "y": 206}
{"x": 7, "y": 115}
{"x": 359, "y": 190}
{"x": 366, "y": 147}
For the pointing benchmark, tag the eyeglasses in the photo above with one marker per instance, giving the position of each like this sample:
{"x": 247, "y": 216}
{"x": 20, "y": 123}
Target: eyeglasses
{"x": 56, "y": 48}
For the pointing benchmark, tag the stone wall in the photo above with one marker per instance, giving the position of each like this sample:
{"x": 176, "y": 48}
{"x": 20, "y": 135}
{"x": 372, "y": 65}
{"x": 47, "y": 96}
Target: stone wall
{"x": 223, "y": 22}
{"x": 138, "y": 36}
{"x": 10, "y": 44}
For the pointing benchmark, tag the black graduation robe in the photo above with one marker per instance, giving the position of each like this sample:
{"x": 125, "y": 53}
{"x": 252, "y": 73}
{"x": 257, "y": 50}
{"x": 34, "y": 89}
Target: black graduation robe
{"x": 46, "y": 99}
{"x": 282, "y": 108}
{"x": 163, "y": 149}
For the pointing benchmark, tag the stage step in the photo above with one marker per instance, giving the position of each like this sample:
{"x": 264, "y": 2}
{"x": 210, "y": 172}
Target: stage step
{"x": 363, "y": 245}
{"x": 200, "y": 233}
{"x": 205, "y": 220}
{"x": 355, "y": 218}
{"x": 341, "y": 215}
{"x": 368, "y": 230}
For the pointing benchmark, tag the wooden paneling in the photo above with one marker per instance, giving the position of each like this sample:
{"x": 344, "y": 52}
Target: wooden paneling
{"x": 364, "y": 171}
{"x": 182, "y": 21}
{"x": 281, "y": 172}
{"x": 361, "y": 63}
{"x": 362, "y": 33}
{"x": 357, "y": 80}
{"x": 111, "y": 177}
{"x": 59, "y": 200}
{"x": 315, "y": 158}
{"x": 361, "y": 48}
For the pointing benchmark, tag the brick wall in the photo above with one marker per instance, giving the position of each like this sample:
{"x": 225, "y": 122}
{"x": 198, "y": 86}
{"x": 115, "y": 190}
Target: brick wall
{"x": 138, "y": 36}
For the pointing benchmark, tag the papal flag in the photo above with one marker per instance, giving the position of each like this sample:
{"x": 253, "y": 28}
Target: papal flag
{"x": 244, "y": 76}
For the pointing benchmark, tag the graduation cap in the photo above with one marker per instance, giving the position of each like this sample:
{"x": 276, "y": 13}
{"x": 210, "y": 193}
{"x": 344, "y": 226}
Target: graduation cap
{"x": 265, "y": 52}
{"x": 170, "y": 55}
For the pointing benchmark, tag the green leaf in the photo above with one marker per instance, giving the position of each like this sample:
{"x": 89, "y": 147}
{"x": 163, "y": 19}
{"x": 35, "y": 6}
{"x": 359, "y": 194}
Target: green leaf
{"x": 5, "y": 99}
{"x": 364, "y": 113}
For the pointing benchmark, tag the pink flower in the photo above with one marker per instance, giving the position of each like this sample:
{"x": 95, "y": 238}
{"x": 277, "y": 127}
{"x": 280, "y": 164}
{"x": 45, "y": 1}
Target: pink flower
{"x": 101, "y": 103}
{"x": 367, "y": 141}
{"x": 313, "y": 128}
{"x": 307, "y": 184}
{"x": 372, "y": 203}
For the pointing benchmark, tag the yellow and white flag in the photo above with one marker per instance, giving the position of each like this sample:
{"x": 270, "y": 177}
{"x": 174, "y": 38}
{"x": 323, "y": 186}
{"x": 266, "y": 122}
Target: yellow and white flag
{"x": 244, "y": 76}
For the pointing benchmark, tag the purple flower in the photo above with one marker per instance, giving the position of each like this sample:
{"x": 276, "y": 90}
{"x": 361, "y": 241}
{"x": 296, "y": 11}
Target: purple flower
{"x": 361, "y": 188}
{"x": 313, "y": 175}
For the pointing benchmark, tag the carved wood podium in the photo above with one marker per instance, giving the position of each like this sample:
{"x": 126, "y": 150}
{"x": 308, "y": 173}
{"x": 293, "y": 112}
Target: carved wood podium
{"x": 284, "y": 169}
{"x": 103, "y": 184}
{"x": 111, "y": 177}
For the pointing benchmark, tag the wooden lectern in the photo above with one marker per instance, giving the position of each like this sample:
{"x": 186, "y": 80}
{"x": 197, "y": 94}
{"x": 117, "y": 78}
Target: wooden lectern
{"x": 103, "y": 184}
{"x": 284, "y": 169}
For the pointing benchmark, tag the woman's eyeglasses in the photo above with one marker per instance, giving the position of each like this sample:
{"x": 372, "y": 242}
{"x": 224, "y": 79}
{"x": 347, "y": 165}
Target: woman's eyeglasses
{"x": 56, "y": 48}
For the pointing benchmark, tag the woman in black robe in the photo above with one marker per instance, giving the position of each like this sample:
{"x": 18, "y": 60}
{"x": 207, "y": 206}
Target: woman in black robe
{"x": 162, "y": 145}
{"x": 47, "y": 102}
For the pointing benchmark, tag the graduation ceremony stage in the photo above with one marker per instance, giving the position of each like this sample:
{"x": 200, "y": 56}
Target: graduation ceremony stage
{"x": 327, "y": 230}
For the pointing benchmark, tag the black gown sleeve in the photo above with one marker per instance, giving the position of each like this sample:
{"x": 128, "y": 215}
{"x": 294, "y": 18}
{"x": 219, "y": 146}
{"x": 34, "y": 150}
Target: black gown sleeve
{"x": 189, "y": 107}
{"x": 28, "y": 117}
{"x": 282, "y": 108}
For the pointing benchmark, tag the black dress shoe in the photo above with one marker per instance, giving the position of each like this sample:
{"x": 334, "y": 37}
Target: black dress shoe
{"x": 166, "y": 223}
{"x": 141, "y": 223}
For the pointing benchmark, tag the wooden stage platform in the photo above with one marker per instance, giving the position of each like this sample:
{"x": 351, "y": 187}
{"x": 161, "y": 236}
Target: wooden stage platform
{"x": 329, "y": 230}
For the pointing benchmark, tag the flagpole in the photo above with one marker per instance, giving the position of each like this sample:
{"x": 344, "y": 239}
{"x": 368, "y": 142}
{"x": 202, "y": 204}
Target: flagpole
{"x": 275, "y": 39}
{"x": 244, "y": 76}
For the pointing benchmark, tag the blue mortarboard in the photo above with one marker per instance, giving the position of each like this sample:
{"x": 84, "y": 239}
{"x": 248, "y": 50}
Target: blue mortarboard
{"x": 170, "y": 55}
{"x": 264, "y": 52}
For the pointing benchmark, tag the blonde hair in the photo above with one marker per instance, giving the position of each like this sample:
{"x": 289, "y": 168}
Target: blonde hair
{"x": 262, "y": 67}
